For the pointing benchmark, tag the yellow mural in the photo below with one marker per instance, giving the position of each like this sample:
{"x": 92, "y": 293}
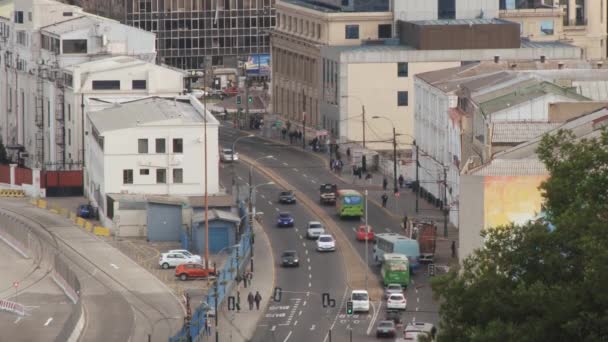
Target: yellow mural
{"x": 509, "y": 199}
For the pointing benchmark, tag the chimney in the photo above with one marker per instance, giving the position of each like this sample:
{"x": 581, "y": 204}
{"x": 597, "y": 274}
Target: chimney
{"x": 542, "y": 59}
{"x": 496, "y": 59}
{"x": 560, "y": 65}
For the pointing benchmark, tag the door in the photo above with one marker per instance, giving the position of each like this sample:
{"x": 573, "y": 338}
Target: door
{"x": 164, "y": 222}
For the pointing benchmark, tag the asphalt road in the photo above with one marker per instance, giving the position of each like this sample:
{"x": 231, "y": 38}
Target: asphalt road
{"x": 300, "y": 315}
{"x": 306, "y": 173}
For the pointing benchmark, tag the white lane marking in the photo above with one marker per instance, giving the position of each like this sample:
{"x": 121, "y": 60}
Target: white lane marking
{"x": 277, "y": 209}
{"x": 307, "y": 259}
{"x": 285, "y": 164}
{"x": 239, "y": 177}
{"x": 301, "y": 237}
{"x": 415, "y": 289}
{"x": 18, "y": 319}
{"x": 413, "y": 282}
{"x": 262, "y": 195}
{"x": 309, "y": 284}
{"x": 309, "y": 267}
{"x": 270, "y": 202}
{"x": 307, "y": 293}
{"x": 310, "y": 275}
{"x": 388, "y": 230}
{"x": 374, "y": 317}
{"x": 304, "y": 304}
{"x": 304, "y": 244}
{"x": 312, "y": 327}
{"x": 273, "y": 328}
{"x": 115, "y": 267}
{"x": 305, "y": 176}
{"x": 306, "y": 251}
{"x": 296, "y": 229}
{"x": 418, "y": 300}
{"x": 287, "y": 338}
{"x": 354, "y": 230}
{"x": 313, "y": 181}
{"x": 295, "y": 323}
{"x": 414, "y": 319}
{"x": 48, "y": 321}
{"x": 300, "y": 313}
{"x": 416, "y": 308}
{"x": 296, "y": 170}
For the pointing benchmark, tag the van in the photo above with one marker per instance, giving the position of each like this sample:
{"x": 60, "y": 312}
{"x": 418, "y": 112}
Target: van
{"x": 360, "y": 299}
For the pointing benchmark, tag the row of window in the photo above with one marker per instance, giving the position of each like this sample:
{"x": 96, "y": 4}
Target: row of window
{"x": 301, "y": 26}
{"x": 115, "y": 85}
{"x": 161, "y": 175}
{"x": 385, "y": 31}
{"x": 160, "y": 144}
{"x": 148, "y": 6}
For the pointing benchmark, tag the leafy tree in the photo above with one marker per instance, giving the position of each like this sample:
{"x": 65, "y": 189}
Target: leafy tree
{"x": 532, "y": 283}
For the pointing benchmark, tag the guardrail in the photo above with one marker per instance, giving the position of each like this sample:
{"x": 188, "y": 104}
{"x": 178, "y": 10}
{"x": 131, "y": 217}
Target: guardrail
{"x": 79, "y": 221}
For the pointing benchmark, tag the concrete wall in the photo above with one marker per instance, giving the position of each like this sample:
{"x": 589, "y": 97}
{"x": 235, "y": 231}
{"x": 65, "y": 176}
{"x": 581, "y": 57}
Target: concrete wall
{"x": 563, "y": 111}
{"x": 471, "y": 214}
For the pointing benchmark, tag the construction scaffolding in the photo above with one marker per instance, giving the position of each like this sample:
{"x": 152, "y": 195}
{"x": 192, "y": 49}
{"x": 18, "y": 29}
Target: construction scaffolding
{"x": 60, "y": 119}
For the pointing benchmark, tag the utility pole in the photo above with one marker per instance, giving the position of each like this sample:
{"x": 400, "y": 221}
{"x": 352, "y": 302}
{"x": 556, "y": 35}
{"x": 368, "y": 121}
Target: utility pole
{"x": 246, "y": 94}
{"x": 366, "y": 246}
{"x": 363, "y": 123}
{"x": 395, "y": 188}
{"x": 250, "y": 200}
{"x": 303, "y": 120}
{"x": 417, "y": 177}
{"x": 445, "y": 206}
{"x": 206, "y": 167}
{"x": 217, "y": 316}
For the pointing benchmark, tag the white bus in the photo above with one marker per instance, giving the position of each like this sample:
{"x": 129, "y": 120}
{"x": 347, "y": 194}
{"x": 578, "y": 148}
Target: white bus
{"x": 398, "y": 244}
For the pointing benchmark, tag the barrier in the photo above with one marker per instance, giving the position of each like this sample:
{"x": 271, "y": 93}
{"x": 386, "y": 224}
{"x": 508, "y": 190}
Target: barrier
{"x": 72, "y": 216}
{"x": 80, "y": 221}
{"x": 11, "y": 193}
{"x": 42, "y": 204}
{"x": 101, "y": 231}
{"x": 88, "y": 226}
{"x": 7, "y": 305}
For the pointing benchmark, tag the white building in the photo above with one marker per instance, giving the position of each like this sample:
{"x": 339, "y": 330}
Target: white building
{"x": 150, "y": 146}
{"x": 38, "y": 41}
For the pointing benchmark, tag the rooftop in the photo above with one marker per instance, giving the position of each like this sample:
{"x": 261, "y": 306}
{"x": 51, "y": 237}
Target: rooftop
{"x": 357, "y": 6}
{"x": 492, "y": 21}
{"x": 74, "y": 24}
{"x": 111, "y": 63}
{"x": 518, "y": 132}
{"x": 149, "y": 111}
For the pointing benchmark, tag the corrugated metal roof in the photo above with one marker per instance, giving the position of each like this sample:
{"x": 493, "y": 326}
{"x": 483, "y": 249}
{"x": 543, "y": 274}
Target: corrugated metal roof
{"x": 517, "y": 132}
{"x": 215, "y": 214}
{"x": 510, "y": 167}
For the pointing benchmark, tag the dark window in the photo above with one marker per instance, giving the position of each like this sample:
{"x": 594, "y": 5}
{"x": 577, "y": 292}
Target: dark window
{"x": 178, "y": 146}
{"x": 402, "y": 69}
{"x": 161, "y": 176}
{"x": 106, "y": 85}
{"x": 67, "y": 14}
{"x": 345, "y": 2}
{"x": 402, "y": 98}
{"x": 385, "y": 31}
{"x": 178, "y": 176}
{"x": 144, "y": 172}
{"x": 75, "y": 46}
{"x": 446, "y": 9}
{"x": 352, "y": 32}
{"x": 19, "y": 17}
{"x": 160, "y": 146}
{"x": 139, "y": 84}
{"x": 142, "y": 145}
{"x": 127, "y": 176}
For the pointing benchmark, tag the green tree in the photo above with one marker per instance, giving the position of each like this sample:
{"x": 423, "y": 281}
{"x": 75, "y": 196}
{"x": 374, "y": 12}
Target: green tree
{"x": 540, "y": 281}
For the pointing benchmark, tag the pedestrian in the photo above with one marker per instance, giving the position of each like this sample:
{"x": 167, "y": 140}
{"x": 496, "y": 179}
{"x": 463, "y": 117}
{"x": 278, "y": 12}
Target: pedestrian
{"x": 258, "y": 299}
{"x": 354, "y": 170}
{"x": 284, "y": 133}
{"x": 360, "y": 172}
{"x": 348, "y": 153}
{"x": 368, "y": 177}
{"x": 384, "y": 183}
{"x": 405, "y": 221}
{"x": 453, "y": 249}
{"x": 384, "y": 200}
{"x": 250, "y": 300}
{"x": 331, "y": 164}
{"x": 299, "y": 135}
{"x": 401, "y": 180}
{"x": 291, "y": 137}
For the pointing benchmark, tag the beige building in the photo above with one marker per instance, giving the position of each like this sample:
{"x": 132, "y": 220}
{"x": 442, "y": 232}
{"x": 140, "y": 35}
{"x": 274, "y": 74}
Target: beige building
{"x": 580, "y": 22}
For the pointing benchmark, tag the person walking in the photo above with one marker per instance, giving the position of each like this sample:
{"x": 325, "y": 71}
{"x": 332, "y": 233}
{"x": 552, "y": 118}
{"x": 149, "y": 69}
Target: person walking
{"x": 250, "y": 300}
{"x": 258, "y": 299}
{"x": 384, "y": 200}
{"x": 348, "y": 153}
{"x": 401, "y": 181}
{"x": 384, "y": 183}
{"x": 453, "y": 249}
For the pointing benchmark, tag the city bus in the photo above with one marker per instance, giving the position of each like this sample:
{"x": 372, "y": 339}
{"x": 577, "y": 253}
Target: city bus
{"x": 349, "y": 203}
{"x": 396, "y": 243}
{"x": 395, "y": 269}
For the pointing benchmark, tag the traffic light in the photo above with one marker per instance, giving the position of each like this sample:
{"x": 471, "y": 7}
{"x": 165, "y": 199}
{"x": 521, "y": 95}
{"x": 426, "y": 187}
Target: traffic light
{"x": 250, "y": 99}
{"x": 349, "y": 308}
{"x": 238, "y": 99}
{"x": 277, "y": 294}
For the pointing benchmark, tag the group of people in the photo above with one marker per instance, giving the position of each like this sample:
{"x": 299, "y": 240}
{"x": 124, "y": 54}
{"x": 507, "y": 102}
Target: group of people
{"x": 336, "y": 165}
{"x": 294, "y": 136}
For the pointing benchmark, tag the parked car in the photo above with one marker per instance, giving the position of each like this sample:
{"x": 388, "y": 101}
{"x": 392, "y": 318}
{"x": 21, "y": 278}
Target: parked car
{"x": 290, "y": 258}
{"x": 360, "y": 299}
{"x": 314, "y": 230}
{"x": 287, "y": 197}
{"x": 420, "y": 328}
{"x": 228, "y": 155}
{"x": 187, "y": 254}
{"x": 326, "y": 243}
{"x": 285, "y": 220}
{"x": 192, "y": 270}
{"x": 363, "y": 234}
{"x": 386, "y": 329}
{"x": 396, "y": 301}
{"x": 87, "y": 211}
{"x": 174, "y": 259}
{"x": 392, "y": 288}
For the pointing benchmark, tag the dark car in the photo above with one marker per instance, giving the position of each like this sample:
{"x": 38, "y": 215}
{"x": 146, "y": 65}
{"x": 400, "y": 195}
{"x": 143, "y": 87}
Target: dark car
{"x": 285, "y": 220}
{"x": 290, "y": 258}
{"x": 386, "y": 329}
{"x": 87, "y": 211}
{"x": 287, "y": 197}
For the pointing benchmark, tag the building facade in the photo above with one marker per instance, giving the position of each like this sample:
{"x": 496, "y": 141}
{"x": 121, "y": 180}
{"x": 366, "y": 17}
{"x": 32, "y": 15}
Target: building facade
{"x": 189, "y": 30}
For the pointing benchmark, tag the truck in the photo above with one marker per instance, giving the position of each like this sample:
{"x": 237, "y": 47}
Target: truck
{"x": 328, "y": 193}
{"x": 425, "y": 231}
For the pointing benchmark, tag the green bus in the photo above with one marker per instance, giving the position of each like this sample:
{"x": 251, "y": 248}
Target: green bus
{"x": 349, "y": 203}
{"x": 395, "y": 269}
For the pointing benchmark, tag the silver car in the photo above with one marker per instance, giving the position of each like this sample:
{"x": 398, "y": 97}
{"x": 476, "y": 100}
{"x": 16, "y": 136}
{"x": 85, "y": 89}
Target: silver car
{"x": 392, "y": 288}
{"x": 314, "y": 230}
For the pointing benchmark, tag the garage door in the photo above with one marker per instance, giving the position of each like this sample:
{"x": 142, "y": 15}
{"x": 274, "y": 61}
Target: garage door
{"x": 219, "y": 238}
{"x": 164, "y": 222}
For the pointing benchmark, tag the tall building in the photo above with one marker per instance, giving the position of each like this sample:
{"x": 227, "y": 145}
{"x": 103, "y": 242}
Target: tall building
{"x": 187, "y": 31}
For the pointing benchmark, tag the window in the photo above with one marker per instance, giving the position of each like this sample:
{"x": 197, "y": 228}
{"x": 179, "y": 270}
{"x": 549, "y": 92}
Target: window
{"x": 402, "y": 98}
{"x": 344, "y": 2}
{"x": 546, "y": 27}
{"x": 160, "y": 146}
{"x": 178, "y": 176}
{"x": 22, "y": 38}
{"x": 352, "y": 32}
{"x": 178, "y": 146}
{"x": 402, "y": 69}
{"x": 19, "y": 17}
{"x": 127, "y": 176}
{"x": 446, "y": 9}
{"x": 68, "y": 14}
{"x": 139, "y": 84}
{"x": 106, "y": 85}
{"x": 161, "y": 176}
{"x": 385, "y": 31}
{"x": 69, "y": 112}
{"x": 144, "y": 172}
{"x": 142, "y": 145}
{"x": 75, "y": 46}
{"x": 29, "y": 16}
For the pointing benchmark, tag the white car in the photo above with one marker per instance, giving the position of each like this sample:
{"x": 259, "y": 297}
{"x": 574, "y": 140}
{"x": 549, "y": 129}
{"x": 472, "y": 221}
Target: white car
{"x": 420, "y": 329}
{"x": 396, "y": 301}
{"x": 314, "y": 230}
{"x": 326, "y": 243}
{"x": 227, "y": 155}
{"x": 360, "y": 299}
{"x": 174, "y": 259}
{"x": 187, "y": 254}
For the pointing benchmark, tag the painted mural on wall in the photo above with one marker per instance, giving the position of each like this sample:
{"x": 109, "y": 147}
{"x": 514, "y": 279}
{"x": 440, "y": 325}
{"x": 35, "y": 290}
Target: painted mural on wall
{"x": 509, "y": 199}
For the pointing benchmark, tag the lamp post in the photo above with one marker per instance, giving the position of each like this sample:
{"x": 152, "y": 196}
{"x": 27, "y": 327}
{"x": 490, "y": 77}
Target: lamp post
{"x": 362, "y": 113}
{"x": 232, "y": 166}
{"x": 366, "y": 246}
{"x": 252, "y": 188}
{"x": 395, "y": 188}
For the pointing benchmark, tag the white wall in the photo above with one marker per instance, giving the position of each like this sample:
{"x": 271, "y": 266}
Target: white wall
{"x": 471, "y": 215}
{"x": 470, "y": 9}
{"x": 534, "y": 110}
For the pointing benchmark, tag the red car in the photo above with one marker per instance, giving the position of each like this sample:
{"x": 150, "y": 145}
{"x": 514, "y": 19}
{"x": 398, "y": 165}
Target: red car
{"x": 363, "y": 235}
{"x": 230, "y": 91}
{"x": 192, "y": 270}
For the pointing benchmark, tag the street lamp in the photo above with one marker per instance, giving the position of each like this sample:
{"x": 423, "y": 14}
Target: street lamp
{"x": 366, "y": 238}
{"x": 396, "y": 189}
{"x": 362, "y": 113}
{"x": 232, "y": 166}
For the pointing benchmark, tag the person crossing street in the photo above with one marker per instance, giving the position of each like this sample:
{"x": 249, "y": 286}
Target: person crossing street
{"x": 257, "y": 299}
{"x": 384, "y": 200}
{"x": 250, "y": 300}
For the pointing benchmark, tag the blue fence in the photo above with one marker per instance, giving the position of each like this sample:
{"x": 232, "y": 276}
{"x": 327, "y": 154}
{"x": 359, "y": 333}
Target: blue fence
{"x": 225, "y": 284}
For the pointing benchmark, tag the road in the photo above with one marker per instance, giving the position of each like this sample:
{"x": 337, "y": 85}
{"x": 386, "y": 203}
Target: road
{"x": 300, "y": 315}
{"x": 305, "y": 173}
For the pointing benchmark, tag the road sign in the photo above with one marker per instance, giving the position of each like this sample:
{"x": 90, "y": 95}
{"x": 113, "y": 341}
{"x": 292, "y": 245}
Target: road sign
{"x": 15, "y": 284}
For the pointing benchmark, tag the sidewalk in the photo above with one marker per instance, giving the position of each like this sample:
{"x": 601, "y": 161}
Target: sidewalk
{"x": 240, "y": 326}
